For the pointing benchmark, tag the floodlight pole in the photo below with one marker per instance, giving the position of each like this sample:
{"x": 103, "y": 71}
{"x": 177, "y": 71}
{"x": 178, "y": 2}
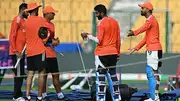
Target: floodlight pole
{"x": 167, "y": 26}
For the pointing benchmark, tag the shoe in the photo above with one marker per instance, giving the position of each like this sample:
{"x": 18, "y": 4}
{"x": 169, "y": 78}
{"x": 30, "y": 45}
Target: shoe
{"x": 117, "y": 100}
{"x": 61, "y": 98}
{"x": 19, "y": 99}
{"x": 64, "y": 99}
{"x": 101, "y": 100}
{"x": 60, "y": 95}
{"x": 27, "y": 98}
{"x": 157, "y": 98}
{"x": 149, "y": 99}
{"x": 39, "y": 99}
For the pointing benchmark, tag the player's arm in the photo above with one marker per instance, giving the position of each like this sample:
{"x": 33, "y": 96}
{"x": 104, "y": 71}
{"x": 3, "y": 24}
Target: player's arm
{"x": 13, "y": 33}
{"x": 142, "y": 29}
{"x": 55, "y": 41}
{"x": 100, "y": 33}
{"x": 138, "y": 47}
{"x": 93, "y": 38}
{"x": 141, "y": 44}
{"x": 97, "y": 39}
{"x": 88, "y": 36}
{"x": 118, "y": 42}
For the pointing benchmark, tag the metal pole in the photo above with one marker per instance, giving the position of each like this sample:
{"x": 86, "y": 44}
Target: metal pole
{"x": 167, "y": 26}
{"x": 130, "y": 25}
{"x": 43, "y": 3}
{"x": 5, "y": 32}
{"x": 71, "y": 21}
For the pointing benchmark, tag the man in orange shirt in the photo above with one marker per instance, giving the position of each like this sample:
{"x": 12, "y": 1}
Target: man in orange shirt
{"x": 17, "y": 42}
{"x": 36, "y": 57}
{"x": 106, "y": 53}
{"x": 154, "y": 49}
{"x": 52, "y": 64}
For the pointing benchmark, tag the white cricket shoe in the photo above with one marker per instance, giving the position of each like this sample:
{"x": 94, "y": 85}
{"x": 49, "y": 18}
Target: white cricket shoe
{"x": 157, "y": 98}
{"x": 19, "y": 99}
{"x": 149, "y": 99}
{"x": 117, "y": 100}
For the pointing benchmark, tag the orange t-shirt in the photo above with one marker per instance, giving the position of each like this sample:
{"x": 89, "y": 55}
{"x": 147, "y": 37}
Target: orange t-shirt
{"x": 108, "y": 34}
{"x": 34, "y": 45}
{"x": 17, "y": 35}
{"x": 50, "y": 53}
{"x": 151, "y": 38}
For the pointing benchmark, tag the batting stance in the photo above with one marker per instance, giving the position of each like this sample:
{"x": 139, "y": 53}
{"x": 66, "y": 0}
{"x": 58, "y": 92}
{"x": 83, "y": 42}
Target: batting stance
{"x": 106, "y": 53}
{"x": 154, "y": 49}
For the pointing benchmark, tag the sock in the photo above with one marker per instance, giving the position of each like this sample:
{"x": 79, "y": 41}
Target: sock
{"x": 44, "y": 95}
{"x": 28, "y": 97}
{"x": 60, "y": 95}
{"x": 39, "y": 98}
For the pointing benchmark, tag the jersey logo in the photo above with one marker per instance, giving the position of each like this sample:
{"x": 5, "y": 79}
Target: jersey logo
{"x": 149, "y": 52}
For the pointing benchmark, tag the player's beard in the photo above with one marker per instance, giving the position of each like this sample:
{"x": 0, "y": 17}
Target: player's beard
{"x": 143, "y": 13}
{"x": 25, "y": 15}
{"x": 99, "y": 17}
{"x": 37, "y": 13}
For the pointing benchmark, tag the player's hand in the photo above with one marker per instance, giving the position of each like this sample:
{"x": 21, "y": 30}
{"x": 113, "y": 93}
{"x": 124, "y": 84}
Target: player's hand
{"x": 57, "y": 39}
{"x": 84, "y": 35}
{"x": 55, "y": 42}
{"x": 130, "y": 33}
{"x": 131, "y": 50}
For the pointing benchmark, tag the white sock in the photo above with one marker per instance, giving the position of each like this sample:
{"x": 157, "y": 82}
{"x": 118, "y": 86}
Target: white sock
{"x": 39, "y": 98}
{"x": 60, "y": 95}
{"x": 44, "y": 95}
{"x": 28, "y": 97}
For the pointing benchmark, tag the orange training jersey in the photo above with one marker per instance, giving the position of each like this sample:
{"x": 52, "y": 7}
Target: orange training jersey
{"x": 34, "y": 44}
{"x": 151, "y": 38}
{"x": 50, "y": 53}
{"x": 17, "y": 35}
{"x": 108, "y": 34}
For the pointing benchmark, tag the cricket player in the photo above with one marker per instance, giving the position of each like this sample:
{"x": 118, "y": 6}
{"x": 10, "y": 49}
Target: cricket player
{"x": 36, "y": 56}
{"x": 106, "y": 53}
{"x": 154, "y": 49}
{"x": 52, "y": 64}
{"x": 17, "y": 43}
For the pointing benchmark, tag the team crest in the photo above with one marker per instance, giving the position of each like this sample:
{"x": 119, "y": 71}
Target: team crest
{"x": 149, "y": 52}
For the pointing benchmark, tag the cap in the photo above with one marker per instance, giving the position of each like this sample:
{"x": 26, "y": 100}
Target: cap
{"x": 32, "y": 6}
{"x": 147, "y": 5}
{"x": 49, "y": 9}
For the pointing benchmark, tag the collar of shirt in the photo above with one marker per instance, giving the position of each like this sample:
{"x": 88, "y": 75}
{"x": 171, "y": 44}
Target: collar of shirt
{"x": 149, "y": 17}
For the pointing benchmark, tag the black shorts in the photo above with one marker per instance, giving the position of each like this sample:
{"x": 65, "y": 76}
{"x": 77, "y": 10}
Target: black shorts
{"x": 160, "y": 54}
{"x": 52, "y": 65}
{"x": 107, "y": 61}
{"x": 22, "y": 63}
{"x": 37, "y": 62}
